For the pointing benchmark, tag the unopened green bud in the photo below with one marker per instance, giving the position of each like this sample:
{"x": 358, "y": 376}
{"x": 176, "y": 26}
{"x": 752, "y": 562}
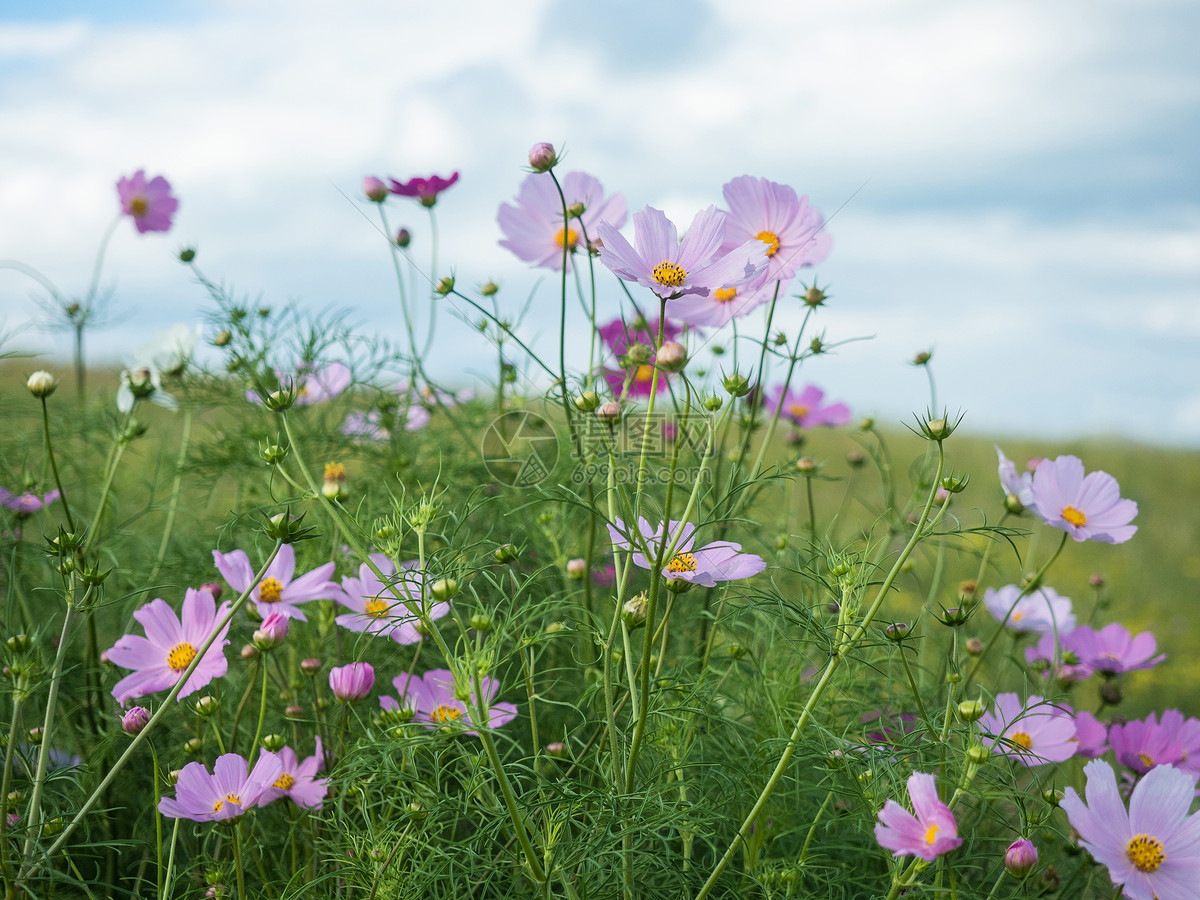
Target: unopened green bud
{"x": 489, "y": 289}
{"x": 480, "y": 622}
{"x": 192, "y": 746}
{"x": 713, "y": 403}
{"x": 587, "y": 401}
{"x": 18, "y": 644}
{"x": 273, "y": 454}
{"x": 443, "y": 589}
{"x": 977, "y": 754}
{"x": 273, "y": 743}
{"x": 737, "y": 385}
{"x": 187, "y": 254}
{"x": 737, "y": 651}
{"x": 970, "y": 710}
{"x": 814, "y": 297}
{"x": 42, "y": 384}
{"x": 206, "y": 706}
{"x": 445, "y": 285}
{"x": 505, "y": 553}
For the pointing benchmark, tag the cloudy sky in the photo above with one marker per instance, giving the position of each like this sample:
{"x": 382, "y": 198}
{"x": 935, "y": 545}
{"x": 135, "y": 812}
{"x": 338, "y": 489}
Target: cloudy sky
{"x": 1015, "y": 183}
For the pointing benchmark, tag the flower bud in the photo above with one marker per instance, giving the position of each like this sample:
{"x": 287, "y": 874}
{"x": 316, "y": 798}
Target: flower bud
{"x": 576, "y": 568}
{"x": 806, "y": 465}
{"x": 1020, "y": 858}
{"x": 443, "y": 589}
{"x": 35, "y": 734}
{"x": 817, "y": 346}
{"x": 636, "y": 355}
{"x": 135, "y": 720}
{"x": 310, "y": 666}
{"x": 678, "y": 585}
{"x": 814, "y": 297}
{"x": 489, "y": 289}
{"x": 576, "y": 209}
{"x": 736, "y": 651}
{"x": 587, "y": 401}
{"x": 222, "y": 339}
{"x": 937, "y": 429}
{"x": 445, "y": 285}
{"x": 42, "y": 384}
{"x": 922, "y": 358}
{"x": 206, "y": 706}
{"x": 1096, "y": 581}
{"x": 1052, "y": 797}
{"x": 375, "y": 189}
{"x": 187, "y": 254}
{"x": 294, "y": 712}
{"x": 974, "y": 646}
{"x": 713, "y": 403}
{"x": 273, "y": 630}
{"x": 248, "y": 652}
{"x": 955, "y": 616}
{"x": 633, "y": 612}
{"x": 955, "y": 484}
{"x": 403, "y": 238}
{"x": 542, "y": 157}
{"x": 1111, "y": 694}
{"x": 556, "y": 749}
{"x": 671, "y": 356}
{"x": 273, "y": 743}
{"x": 737, "y": 385}
{"x": 18, "y": 644}
{"x": 897, "y": 631}
{"x": 609, "y": 411}
{"x": 977, "y": 754}
{"x": 970, "y": 710}
{"x": 352, "y": 682}
{"x": 192, "y": 746}
{"x": 855, "y": 459}
{"x": 480, "y": 622}
{"x": 505, "y": 553}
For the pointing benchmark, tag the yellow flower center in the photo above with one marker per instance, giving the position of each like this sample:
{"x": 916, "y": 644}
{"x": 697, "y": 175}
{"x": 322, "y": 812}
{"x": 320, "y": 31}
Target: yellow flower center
{"x": 798, "y": 410}
{"x": 180, "y": 656}
{"x": 443, "y": 714}
{"x": 771, "y": 239}
{"x": 1075, "y": 516}
{"x": 228, "y": 798}
{"x": 375, "y": 608}
{"x": 139, "y": 206}
{"x": 644, "y": 374}
{"x": 284, "y": 781}
{"x": 684, "y": 562}
{"x": 1145, "y": 852}
{"x": 724, "y": 295}
{"x": 931, "y": 834}
{"x": 270, "y": 591}
{"x": 1147, "y": 760}
{"x": 568, "y": 236}
{"x": 335, "y": 472}
{"x": 669, "y": 273}
{"x": 1021, "y": 739}
{"x": 1018, "y": 616}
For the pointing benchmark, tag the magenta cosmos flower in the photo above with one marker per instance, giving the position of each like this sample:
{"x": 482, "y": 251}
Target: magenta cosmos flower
{"x": 280, "y": 590}
{"x": 673, "y": 268}
{"x": 298, "y": 781}
{"x": 534, "y": 230}
{"x": 425, "y": 190}
{"x": 1154, "y": 849}
{"x": 1034, "y": 733}
{"x": 763, "y": 210}
{"x": 805, "y": 407}
{"x": 1044, "y": 611}
{"x": 718, "y": 561}
{"x": 929, "y": 833}
{"x": 353, "y": 681}
{"x": 1087, "y": 507}
{"x": 26, "y": 503}
{"x": 148, "y": 203}
{"x": 1112, "y": 649}
{"x": 1145, "y": 743}
{"x": 170, "y": 645}
{"x": 225, "y": 793}
{"x": 619, "y": 336}
{"x": 1015, "y": 485}
{"x": 390, "y": 607}
{"x": 432, "y": 699}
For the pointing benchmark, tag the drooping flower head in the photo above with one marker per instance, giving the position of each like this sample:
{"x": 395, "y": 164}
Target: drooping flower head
{"x": 433, "y": 701}
{"x": 673, "y": 268}
{"x": 1015, "y": 485}
{"x": 1112, "y": 649}
{"x": 1043, "y": 611}
{"x": 1087, "y": 507}
{"x": 170, "y": 645}
{"x": 805, "y": 407}
{"x": 225, "y": 793}
{"x": 387, "y": 607}
{"x": 280, "y": 590}
{"x": 763, "y": 210}
{"x": 619, "y": 336}
{"x": 1033, "y": 733}
{"x": 1153, "y": 850}
{"x": 148, "y": 203}
{"x": 705, "y": 566}
{"x": 298, "y": 780}
{"x": 929, "y": 833}
{"x": 426, "y": 190}
{"x": 534, "y": 229}
{"x": 28, "y": 502}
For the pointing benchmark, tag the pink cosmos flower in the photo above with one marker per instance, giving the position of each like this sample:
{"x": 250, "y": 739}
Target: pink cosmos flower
{"x": 226, "y": 793}
{"x": 352, "y": 682}
{"x": 718, "y": 561}
{"x": 280, "y": 590}
{"x": 424, "y": 189}
{"x": 1145, "y": 743}
{"x": 722, "y": 305}
{"x": 1034, "y": 734}
{"x": 671, "y": 268}
{"x": 28, "y": 502}
{"x": 533, "y": 229}
{"x": 619, "y": 336}
{"x": 1154, "y": 849}
{"x": 432, "y": 699}
{"x": 1084, "y": 506}
{"x": 929, "y": 833}
{"x": 1112, "y": 649}
{"x": 1091, "y": 735}
{"x": 375, "y": 425}
{"x": 763, "y": 210}
{"x": 805, "y": 409}
{"x": 298, "y": 780}
{"x": 170, "y": 645}
{"x": 373, "y": 604}
{"x": 1019, "y": 486}
{"x": 1043, "y": 611}
{"x": 148, "y": 203}
{"x": 1063, "y": 665}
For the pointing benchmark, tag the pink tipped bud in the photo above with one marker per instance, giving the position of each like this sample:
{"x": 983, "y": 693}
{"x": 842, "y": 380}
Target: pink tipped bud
{"x": 556, "y": 748}
{"x": 375, "y": 189}
{"x": 273, "y": 630}
{"x": 609, "y": 412}
{"x": 310, "y": 666}
{"x": 671, "y": 356}
{"x": 1020, "y": 858}
{"x": 403, "y": 238}
{"x": 213, "y": 588}
{"x": 576, "y": 569}
{"x": 542, "y": 157}
{"x": 352, "y": 682}
{"x": 135, "y": 720}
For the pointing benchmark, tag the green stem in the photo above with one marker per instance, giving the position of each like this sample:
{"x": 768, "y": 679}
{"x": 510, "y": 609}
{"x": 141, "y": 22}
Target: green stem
{"x": 62, "y": 495}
